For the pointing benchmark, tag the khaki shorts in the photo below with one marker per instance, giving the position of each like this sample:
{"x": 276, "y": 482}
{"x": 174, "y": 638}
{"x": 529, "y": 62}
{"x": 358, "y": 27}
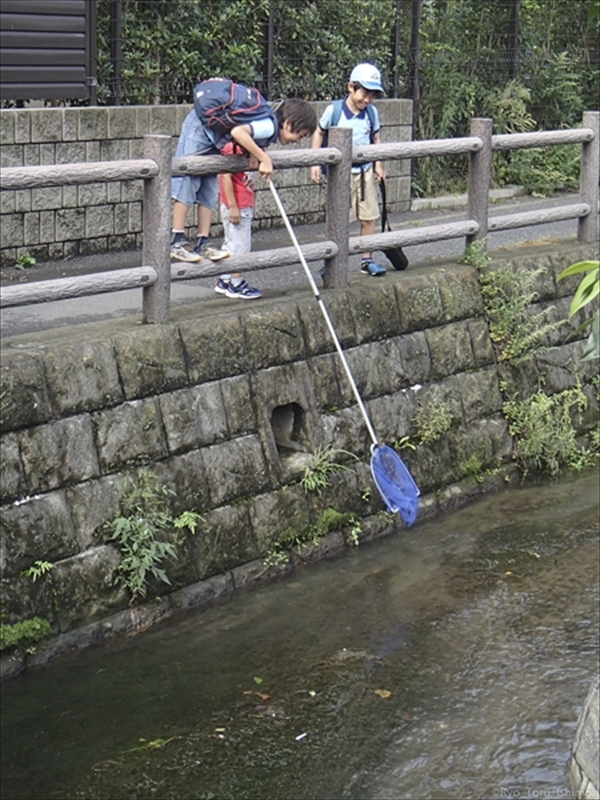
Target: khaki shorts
{"x": 363, "y": 186}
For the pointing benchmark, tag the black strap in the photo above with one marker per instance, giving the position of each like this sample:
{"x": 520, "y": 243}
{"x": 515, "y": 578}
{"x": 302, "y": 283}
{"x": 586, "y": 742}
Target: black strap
{"x": 384, "y": 213}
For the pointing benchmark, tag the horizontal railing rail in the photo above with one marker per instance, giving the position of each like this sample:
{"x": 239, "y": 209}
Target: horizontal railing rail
{"x": 157, "y": 167}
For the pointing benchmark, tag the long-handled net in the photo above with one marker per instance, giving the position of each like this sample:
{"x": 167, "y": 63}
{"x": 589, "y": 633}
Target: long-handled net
{"x": 394, "y": 482}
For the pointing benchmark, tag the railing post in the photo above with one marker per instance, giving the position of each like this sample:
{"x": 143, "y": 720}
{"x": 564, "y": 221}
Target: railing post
{"x": 479, "y": 177}
{"x": 337, "y": 205}
{"x": 587, "y": 227}
{"x": 156, "y": 229}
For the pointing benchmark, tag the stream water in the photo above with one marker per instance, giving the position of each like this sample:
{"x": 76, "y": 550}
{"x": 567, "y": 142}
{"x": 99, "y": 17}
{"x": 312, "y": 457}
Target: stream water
{"x": 450, "y": 660}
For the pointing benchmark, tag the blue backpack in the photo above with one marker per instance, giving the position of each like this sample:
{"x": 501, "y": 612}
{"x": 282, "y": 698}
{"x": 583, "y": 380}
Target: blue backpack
{"x": 222, "y": 105}
{"x": 335, "y": 118}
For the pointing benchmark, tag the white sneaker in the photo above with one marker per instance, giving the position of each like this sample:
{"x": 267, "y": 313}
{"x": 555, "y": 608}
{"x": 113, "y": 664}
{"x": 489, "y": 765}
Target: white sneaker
{"x": 181, "y": 252}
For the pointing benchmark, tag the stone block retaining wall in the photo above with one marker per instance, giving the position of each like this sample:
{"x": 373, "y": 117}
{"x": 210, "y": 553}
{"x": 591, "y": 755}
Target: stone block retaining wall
{"x": 196, "y": 400}
{"x": 56, "y": 223}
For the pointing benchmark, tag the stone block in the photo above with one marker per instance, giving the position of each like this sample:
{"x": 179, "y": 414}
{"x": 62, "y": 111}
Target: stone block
{"x": 163, "y": 120}
{"x": 135, "y": 217}
{"x": 480, "y": 394}
{"x": 186, "y": 475}
{"x": 128, "y": 433}
{"x": 392, "y": 415}
{"x": 93, "y": 504}
{"x": 121, "y": 122}
{"x": 31, "y": 229}
{"x": 42, "y": 199}
{"x": 11, "y": 155}
{"x": 46, "y": 124}
{"x": 239, "y": 409}
{"x": 99, "y": 221}
{"x": 85, "y": 587}
{"x": 31, "y": 155}
{"x": 48, "y": 154}
{"x": 23, "y": 200}
{"x": 82, "y": 376}
{"x": 69, "y": 124}
{"x": 223, "y": 540}
{"x": 58, "y": 453}
{"x": 420, "y": 301}
{"x": 22, "y": 126}
{"x": 23, "y": 390}
{"x": 273, "y": 335}
{"x": 47, "y": 226}
{"x": 92, "y": 151}
{"x": 12, "y": 231}
{"x": 36, "y": 529}
{"x": 91, "y": 194}
{"x": 121, "y": 218}
{"x": 142, "y": 116}
{"x": 114, "y": 150}
{"x": 202, "y": 592}
{"x": 461, "y": 294}
{"x": 194, "y": 417}
{"x": 132, "y": 190}
{"x": 8, "y": 202}
{"x": 70, "y": 224}
{"x": 375, "y": 311}
{"x": 150, "y": 360}
{"x": 370, "y": 367}
{"x": 93, "y": 124}
{"x": 69, "y": 198}
{"x": 12, "y": 477}
{"x": 481, "y": 344}
{"x": 7, "y": 126}
{"x": 211, "y": 357}
{"x": 316, "y": 334}
{"x": 274, "y": 512}
{"x": 235, "y": 469}
{"x": 450, "y": 348}
{"x": 70, "y": 152}
{"x": 326, "y": 375}
{"x": 346, "y": 430}
{"x": 416, "y": 357}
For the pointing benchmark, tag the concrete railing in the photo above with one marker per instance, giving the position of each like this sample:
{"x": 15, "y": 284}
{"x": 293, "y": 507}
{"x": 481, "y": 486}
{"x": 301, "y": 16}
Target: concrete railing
{"x": 157, "y": 166}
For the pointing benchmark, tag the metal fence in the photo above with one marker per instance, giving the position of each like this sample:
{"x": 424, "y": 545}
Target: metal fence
{"x": 157, "y": 167}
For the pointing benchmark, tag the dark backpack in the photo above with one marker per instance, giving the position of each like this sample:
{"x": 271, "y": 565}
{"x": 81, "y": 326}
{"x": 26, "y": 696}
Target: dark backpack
{"x": 222, "y": 105}
{"x": 335, "y": 118}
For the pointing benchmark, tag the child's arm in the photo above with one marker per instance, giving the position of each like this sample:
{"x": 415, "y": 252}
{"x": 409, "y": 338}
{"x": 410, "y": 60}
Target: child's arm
{"x": 377, "y": 166}
{"x": 317, "y": 141}
{"x": 242, "y": 136}
{"x": 234, "y": 211}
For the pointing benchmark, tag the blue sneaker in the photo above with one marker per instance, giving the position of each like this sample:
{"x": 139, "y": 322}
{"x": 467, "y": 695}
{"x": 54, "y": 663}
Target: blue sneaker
{"x": 370, "y": 267}
{"x": 222, "y": 286}
{"x": 243, "y": 291}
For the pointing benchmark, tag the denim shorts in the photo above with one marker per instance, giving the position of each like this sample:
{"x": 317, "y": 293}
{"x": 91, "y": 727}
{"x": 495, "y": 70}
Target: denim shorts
{"x": 199, "y": 189}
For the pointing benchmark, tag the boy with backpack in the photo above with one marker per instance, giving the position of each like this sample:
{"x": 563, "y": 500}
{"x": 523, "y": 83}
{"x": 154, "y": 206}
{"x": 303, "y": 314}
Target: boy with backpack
{"x": 223, "y": 112}
{"x": 236, "y": 199}
{"x": 356, "y": 111}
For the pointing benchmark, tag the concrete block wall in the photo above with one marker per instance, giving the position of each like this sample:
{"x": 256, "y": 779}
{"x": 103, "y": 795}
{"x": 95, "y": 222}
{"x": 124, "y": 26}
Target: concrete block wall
{"x": 196, "y": 400}
{"x": 58, "y": 223}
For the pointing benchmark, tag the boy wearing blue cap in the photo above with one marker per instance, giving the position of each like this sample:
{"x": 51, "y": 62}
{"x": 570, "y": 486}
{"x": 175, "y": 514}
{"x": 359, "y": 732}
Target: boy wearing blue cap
{"x": 357, "y": 112}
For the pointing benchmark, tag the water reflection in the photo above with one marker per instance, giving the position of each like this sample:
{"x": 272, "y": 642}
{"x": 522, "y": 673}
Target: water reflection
{"x": 449, "y": 661}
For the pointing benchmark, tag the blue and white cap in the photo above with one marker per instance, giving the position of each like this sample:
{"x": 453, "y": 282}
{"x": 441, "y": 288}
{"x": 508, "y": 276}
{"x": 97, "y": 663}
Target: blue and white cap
{"x": 368, "y": 76}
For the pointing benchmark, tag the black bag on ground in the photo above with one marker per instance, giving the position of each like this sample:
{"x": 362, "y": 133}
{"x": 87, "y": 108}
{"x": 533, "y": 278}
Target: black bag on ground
{"x": 395, "y": 255}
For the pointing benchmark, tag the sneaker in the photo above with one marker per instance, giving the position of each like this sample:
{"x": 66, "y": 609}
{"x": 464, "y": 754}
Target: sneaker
{"x": 243, "y": 291}
{"x": 370, "y": 267}
{"x": 222, "y": 286}
{"x": 205, "y": 249}
{"x": 180, "y": 251}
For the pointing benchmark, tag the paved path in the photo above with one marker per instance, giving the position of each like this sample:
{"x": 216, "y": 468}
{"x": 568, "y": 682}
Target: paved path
{"x": 274, "y": 281}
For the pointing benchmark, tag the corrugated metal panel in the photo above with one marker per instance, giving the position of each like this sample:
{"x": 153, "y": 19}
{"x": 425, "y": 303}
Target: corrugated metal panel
{"x": 47, "y": 49}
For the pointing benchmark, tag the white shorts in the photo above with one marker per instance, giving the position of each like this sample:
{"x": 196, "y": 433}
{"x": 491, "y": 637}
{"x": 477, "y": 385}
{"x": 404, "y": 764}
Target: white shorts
{"x": 237, "y": 238}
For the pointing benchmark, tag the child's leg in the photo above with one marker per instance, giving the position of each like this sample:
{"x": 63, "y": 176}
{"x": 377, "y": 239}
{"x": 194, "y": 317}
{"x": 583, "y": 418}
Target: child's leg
{"x": 368, "y": 212}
